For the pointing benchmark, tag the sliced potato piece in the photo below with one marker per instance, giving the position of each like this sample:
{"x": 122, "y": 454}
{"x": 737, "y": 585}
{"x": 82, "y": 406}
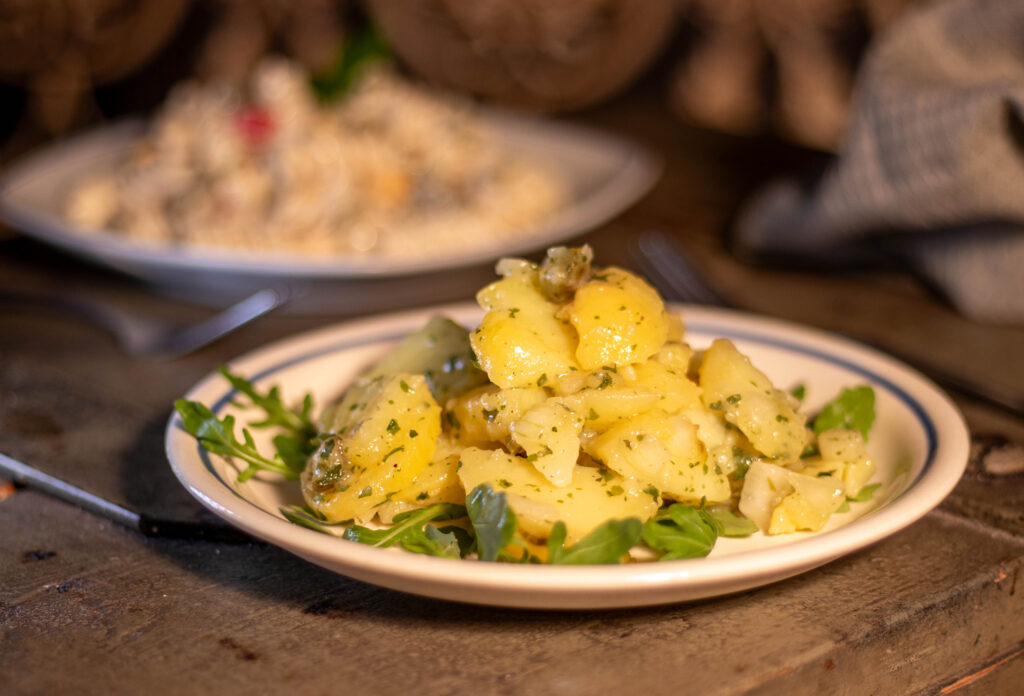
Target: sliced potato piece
{"x": 485, "y": 415}
{"x": 438, "y": 482}
{"x": 676, "y": 391}
{"x": 748, "y": 400}
{"x": 847, "y": 447}
{"x": 392, "y": 438}
{"x": 520, "y": 342}
{"x": 549, "y": 434}
{"x": 663, "y": 450}
{"x": 619, "y": 318}
{"x": 781, "y": 501}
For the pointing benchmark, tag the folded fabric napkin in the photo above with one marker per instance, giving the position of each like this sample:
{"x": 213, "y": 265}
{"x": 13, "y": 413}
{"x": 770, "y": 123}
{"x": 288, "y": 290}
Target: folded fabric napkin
{"x": 932, "y": 167}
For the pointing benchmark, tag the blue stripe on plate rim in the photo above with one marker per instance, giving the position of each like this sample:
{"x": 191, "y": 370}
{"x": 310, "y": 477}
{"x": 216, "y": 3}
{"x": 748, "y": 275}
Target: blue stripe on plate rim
{"x": 918, "y": 410}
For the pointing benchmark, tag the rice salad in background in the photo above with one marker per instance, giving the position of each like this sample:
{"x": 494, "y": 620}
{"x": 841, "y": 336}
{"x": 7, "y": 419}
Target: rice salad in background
{"x": 389, "y": 169}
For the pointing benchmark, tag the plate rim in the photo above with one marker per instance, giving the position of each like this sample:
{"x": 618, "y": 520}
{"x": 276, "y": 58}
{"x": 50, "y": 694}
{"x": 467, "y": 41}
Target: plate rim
{"x": 600, "y": 587}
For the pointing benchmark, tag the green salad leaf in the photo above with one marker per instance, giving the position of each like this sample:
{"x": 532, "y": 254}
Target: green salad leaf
{"x": 310, "y": 519}
{"x": 853, "y": 409}
{"x": 413, "y": 533}
{"x": 217, "y": 436}
{"x": 494, "y": 522}
{"x": 355, "y": 54}
{"x": 606, "y": 544}
{"x": 680, "y": 531}
{"x": 730, "y": 523}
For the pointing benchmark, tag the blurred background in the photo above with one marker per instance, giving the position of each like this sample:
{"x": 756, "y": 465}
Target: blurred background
{"x": 743, "y": 67}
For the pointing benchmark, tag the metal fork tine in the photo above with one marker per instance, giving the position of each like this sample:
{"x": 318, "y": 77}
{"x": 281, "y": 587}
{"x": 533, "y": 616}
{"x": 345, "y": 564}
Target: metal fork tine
{"x": 663, "y": 259}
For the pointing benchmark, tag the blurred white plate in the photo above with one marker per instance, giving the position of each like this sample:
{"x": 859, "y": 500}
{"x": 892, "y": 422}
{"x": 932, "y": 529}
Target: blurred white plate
{"x": 604, "y": 173}
{"x": 919, "y": 442}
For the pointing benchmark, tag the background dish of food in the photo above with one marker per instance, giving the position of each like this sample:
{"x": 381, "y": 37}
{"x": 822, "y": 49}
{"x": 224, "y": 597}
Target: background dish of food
{"x": 603, "y": 174}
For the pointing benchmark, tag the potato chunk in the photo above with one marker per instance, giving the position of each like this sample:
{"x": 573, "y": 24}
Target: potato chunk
{"x": 843, "y": 455}
{"x": 662, "y": 450}
{"x": 675, "y": 390}
{"x": 620, "y": 319}
{"x": 748, "y": 400}
{"x": 781, "y": 501}
{"x": 485, "y": 415}
{"x": 549, "y": 434}
{"x": 592, "y": 497}
{"x": 391, "y": 439}
{"x": 520, "y": 342}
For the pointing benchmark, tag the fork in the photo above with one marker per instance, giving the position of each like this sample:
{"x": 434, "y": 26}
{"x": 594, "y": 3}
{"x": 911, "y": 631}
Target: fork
{"x": 140, "y": 336}
{"x": 674, "y": 273}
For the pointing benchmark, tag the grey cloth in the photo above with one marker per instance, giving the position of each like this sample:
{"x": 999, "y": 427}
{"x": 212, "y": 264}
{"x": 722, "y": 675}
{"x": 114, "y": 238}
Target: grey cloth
{"x": 932, "y": 166}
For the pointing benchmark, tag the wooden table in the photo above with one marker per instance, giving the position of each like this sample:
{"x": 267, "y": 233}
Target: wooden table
{"x": 88, "y": 605}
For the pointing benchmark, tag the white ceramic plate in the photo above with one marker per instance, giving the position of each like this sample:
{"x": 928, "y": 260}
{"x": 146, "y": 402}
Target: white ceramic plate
{"x": 919, "y": 442}
{"x": 604, "y": 173}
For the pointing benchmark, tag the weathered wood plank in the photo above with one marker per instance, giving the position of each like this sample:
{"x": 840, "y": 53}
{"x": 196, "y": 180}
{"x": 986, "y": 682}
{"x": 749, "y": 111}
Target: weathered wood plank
{"x": 122, "y": 610}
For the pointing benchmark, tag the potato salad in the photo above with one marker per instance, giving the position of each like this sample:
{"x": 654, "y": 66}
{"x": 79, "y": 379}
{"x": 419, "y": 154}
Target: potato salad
{"x": 574, "y": 424}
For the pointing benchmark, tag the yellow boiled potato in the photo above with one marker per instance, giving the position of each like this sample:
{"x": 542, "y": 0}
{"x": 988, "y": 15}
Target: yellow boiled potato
{"x": 748, "y": 400}
{"x": 662, "y": 450}
{"x": 438, "y": 482}
{"x": 520, "y": 342}
{"x": 675, "y": 355}
{"x": 620, "y": 319}
{"x": 392, "y": 438}
{"x": 591, "y": 498}
{"x": 781, "y": 501}
{"x": 675, "y": 390}
{"x": 485, "y": 415}
{"x": 602, "y": 408}
{"x": 844, "y": 450}
{"x": 549, "y": 435}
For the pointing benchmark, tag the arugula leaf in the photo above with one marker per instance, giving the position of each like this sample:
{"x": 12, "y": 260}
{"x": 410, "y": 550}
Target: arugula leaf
{"x": 294, "y": 453}
{"x": 494, "y": 522}
{"x": 299, "y": 424}
{"x": 729, "y": 523}
{"x": 853, "y": 409}
{"x": 218, "y": 437}
{"x": 465, "y": 540}
{"x": 355, "y": 55}
{"x": 310, "y": 519}
{"x": 606, "y": 544}
{"x": 407, "y": 528}
{"x": 680, "y": 531}
{"x": 433, "y": 542}
{"x": 300, "y": 437}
